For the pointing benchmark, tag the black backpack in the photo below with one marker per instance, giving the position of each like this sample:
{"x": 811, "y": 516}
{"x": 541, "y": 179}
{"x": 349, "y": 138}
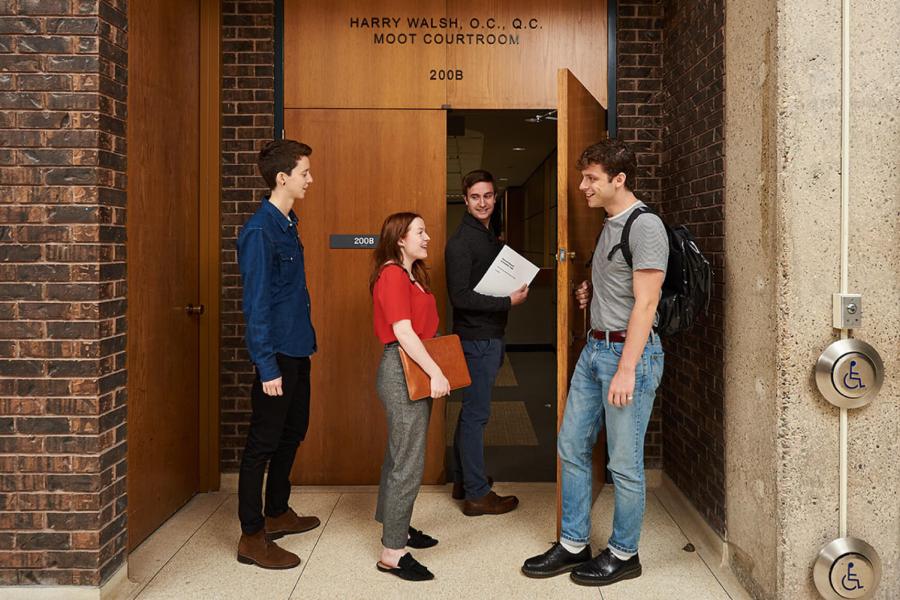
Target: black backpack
{"x": 688, "y": 284}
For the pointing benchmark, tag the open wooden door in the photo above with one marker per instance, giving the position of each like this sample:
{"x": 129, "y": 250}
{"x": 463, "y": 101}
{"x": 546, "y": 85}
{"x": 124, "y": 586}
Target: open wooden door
{"x": 366, "y": 164}
{"x": 582, "y": 122}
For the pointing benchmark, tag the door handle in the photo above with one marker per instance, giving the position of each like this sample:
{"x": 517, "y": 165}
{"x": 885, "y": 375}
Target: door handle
{"x": 194, "y": 310}
{"x": 561, "y": 255}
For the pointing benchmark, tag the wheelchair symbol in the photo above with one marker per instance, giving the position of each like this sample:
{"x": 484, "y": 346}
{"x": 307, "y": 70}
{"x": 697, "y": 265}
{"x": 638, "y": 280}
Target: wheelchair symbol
{"x": 851, "y": 578}
{"x": 856, "y": 382}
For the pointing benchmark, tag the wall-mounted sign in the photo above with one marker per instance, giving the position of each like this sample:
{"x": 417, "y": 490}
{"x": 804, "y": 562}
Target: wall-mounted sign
{"x": 430, "y": 54}
{"x": 353, "y": 241}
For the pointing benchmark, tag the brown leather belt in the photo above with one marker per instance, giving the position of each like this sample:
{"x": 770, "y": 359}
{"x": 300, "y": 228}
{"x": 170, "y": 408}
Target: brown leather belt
{"x": 614, "y": 336}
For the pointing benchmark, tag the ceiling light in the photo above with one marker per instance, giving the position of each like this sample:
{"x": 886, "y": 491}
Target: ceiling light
{"x": 518, "y": 148}
{"x": 547, "y": 116}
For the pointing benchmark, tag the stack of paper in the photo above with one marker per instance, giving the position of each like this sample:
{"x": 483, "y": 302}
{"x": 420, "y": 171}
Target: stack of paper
{"x": 509, "y": 271}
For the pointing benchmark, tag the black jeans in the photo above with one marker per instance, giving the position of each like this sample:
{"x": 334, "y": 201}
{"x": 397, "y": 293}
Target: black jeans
{"x": 277, "y": 427}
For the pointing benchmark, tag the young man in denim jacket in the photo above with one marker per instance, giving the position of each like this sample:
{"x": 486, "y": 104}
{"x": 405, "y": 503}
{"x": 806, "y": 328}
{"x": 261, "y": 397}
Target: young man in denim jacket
{"x": 280, "y": 340}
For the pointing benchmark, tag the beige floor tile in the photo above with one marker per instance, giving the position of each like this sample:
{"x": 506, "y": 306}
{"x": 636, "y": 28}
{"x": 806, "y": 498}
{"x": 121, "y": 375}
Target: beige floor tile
{"x": 162, "y": 545}
{"x": 206, "y": 568}
{"x": 668, "y": 570}
{"x": 477, "y": 557}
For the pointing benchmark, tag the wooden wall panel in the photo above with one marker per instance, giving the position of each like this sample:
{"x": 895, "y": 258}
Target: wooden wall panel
{"x": 554, "y": 34}
{"x": 366, "y": 164}
{"x": 330, "y": 64}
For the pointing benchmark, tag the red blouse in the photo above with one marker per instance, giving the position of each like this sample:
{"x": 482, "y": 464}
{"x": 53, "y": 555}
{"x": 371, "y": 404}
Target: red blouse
{"x": 396, "y": 298}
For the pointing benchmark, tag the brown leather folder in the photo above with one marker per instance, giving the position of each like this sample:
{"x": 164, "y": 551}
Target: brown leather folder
{"x": 447, "y": 352}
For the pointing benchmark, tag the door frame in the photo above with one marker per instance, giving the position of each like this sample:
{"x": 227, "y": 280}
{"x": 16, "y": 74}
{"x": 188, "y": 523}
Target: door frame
{"x": 209, "y": 240}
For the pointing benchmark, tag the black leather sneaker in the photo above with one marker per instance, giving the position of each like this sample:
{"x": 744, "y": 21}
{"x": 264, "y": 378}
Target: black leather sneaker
{"x": 606, "y": 569}
{"x": 555, "y": 561}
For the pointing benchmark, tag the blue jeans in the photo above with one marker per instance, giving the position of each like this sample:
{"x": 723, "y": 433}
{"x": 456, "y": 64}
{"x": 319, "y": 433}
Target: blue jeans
{"x": 483, "y": 357}
{"x": 587, "y": 411}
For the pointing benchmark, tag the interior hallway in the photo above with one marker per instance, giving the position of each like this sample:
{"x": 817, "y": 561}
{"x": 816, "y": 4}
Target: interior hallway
{"x": 193, "y": 554}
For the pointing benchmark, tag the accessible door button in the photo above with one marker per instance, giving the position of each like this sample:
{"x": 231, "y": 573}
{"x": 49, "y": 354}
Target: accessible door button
{"x": 849, "y": 373}
{"x": 847, "y": 568}
{"x": 852, "y": 576}
{"x": 853, "y": 374}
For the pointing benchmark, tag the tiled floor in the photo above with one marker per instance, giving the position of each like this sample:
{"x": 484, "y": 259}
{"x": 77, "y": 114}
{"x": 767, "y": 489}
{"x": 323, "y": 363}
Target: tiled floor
{"x": 193, "y": 554}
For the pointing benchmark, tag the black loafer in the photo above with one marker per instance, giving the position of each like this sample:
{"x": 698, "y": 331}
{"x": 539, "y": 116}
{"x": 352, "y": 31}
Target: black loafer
{"x": 419, "y": 540}
{"x": 555, "y": 561}
{"x": 606, "y": 569}
{"x": 407, "y": 568}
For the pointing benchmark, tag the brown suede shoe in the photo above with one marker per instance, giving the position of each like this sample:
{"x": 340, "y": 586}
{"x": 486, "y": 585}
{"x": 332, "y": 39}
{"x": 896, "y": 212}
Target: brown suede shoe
{"x": 459, "y": 493}
{"x": 490, "y": 504}
{"x": 289, "y": 522}
{"x": 257, "y": 550}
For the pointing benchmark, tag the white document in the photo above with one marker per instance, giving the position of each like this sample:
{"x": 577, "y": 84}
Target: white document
{"x": 509, "y": 271}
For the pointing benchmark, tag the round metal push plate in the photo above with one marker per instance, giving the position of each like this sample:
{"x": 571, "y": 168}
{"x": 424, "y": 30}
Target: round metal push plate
{"x": 847, "y": 568}
{"x": 852, "y": 576}
{"x": 849, "y": 373}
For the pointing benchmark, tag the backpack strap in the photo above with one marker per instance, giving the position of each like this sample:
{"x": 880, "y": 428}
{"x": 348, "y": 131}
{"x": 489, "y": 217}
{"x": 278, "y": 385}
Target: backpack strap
{"x": 623, "y": 241}
{"x": 590, "y": 260}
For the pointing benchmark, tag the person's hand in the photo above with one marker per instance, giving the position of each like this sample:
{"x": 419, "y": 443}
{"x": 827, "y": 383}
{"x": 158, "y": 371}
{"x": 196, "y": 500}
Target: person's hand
{"x": 621, "y": 389}
{"x": 518, "y": 296}
{"x": 272, "y": 388}
{"x": 440, "y": 387}
{"x": 583, "y": 294}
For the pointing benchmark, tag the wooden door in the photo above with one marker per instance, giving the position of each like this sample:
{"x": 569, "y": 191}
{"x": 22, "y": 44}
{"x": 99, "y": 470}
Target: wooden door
{"x": 163, "y": 261}
{"x": 582, "y": 122}
{"x": 366, "y": 164}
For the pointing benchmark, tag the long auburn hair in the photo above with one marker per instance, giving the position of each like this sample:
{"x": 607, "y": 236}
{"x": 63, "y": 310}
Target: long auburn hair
{"x": 393, "y": 230}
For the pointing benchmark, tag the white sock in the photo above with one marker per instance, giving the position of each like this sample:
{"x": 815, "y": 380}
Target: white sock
{"x": 572, "y": 548}
{"x": 623, "y": 556}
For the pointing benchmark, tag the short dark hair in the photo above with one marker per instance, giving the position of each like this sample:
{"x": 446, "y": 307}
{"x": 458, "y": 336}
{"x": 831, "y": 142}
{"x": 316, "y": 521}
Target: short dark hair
{"x": 280, "y": 156}
{"x": 614, "y": 156}
{"x": 476, "y": 176}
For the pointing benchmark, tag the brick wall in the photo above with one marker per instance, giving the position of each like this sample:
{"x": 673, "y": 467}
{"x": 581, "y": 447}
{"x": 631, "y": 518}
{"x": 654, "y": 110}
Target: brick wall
{"x": 62, "y": 291}
{"x": 693, "y": 182}
{"x": 693, "y": 175}
{"x": 670, "y": 72}
{"x": 639, "y": 104}
{"x": 247, "y": 123}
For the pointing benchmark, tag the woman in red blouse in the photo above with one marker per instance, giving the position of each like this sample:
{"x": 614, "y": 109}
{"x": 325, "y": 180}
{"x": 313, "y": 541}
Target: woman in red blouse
{"x": 405, "y": 313}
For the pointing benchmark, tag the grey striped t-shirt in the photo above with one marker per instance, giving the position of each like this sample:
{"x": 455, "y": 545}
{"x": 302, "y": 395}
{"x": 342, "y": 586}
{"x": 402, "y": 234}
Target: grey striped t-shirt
{"x": 612, "y": 279}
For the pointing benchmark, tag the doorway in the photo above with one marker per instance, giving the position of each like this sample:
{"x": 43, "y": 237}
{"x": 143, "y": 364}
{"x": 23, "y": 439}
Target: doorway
{"x": 518, "y": 147}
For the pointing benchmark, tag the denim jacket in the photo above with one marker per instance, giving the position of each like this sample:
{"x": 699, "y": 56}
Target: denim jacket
{"x": 276, "y": 301}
